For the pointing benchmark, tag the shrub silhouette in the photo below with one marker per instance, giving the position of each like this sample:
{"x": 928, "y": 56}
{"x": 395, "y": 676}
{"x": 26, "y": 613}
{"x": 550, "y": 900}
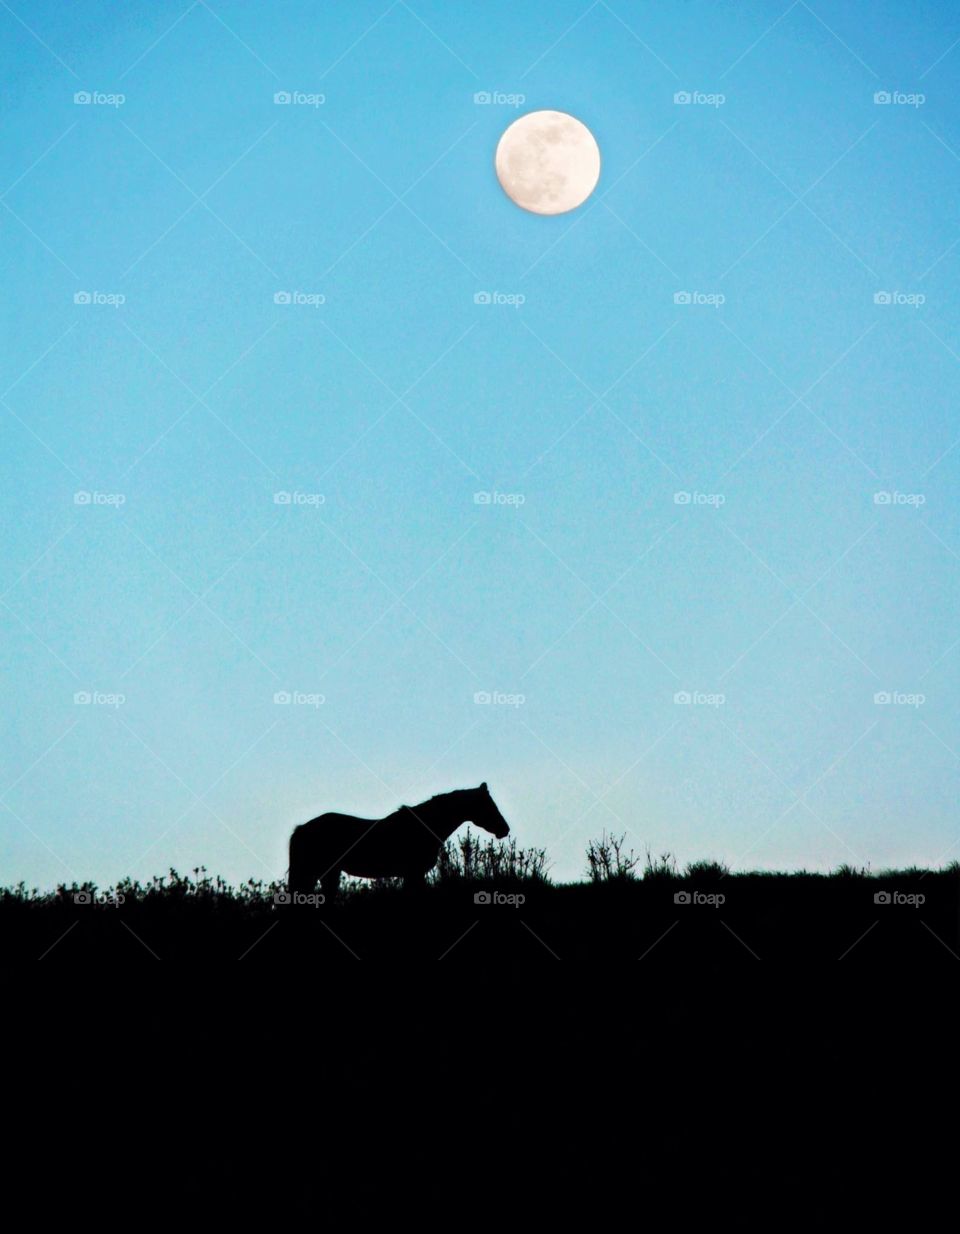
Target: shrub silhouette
{"x": 662, "y": 868}
{"x": 706, "y": 871}
{"x": 619, "y": 913}
{"x": 469, "y": 858}
{"x": 608, "y": 862}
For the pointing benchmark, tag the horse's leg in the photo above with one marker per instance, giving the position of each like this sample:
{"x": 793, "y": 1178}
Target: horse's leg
{"x": 330, "y": 884}
{"x": 414, "y": 881}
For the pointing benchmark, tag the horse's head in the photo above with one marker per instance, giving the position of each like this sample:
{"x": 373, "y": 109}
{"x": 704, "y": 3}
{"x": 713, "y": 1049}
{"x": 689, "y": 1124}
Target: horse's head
{"x": 485, "y": 813}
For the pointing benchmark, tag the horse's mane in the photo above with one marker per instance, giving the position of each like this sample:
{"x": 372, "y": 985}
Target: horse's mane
{"x": 435, "y": 798}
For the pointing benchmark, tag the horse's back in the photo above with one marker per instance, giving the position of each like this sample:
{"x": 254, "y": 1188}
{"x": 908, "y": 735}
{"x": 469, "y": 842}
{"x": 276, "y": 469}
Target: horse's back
{"x": 330, "y": 820}
{"x": 368, "y": 847}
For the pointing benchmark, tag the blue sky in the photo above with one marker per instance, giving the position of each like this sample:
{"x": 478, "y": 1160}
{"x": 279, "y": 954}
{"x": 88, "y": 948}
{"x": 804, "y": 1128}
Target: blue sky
{"x": 589, "y": 597}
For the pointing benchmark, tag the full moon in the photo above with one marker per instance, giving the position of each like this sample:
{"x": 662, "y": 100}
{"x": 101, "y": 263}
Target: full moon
{"x": 548, "y": 162}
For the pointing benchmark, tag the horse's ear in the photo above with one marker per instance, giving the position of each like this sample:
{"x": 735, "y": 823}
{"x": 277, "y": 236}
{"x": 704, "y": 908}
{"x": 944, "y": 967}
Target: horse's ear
{"x": 484, "y": 788}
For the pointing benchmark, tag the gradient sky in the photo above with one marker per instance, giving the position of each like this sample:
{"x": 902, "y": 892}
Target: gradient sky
{"x": 592, "y": 593}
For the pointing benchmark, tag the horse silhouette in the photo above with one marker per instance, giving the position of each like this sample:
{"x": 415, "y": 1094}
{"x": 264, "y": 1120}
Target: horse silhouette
{"x": 405, "y": 844}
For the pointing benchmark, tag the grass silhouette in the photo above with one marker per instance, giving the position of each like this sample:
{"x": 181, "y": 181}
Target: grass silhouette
{"x": 494, "y": 901}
